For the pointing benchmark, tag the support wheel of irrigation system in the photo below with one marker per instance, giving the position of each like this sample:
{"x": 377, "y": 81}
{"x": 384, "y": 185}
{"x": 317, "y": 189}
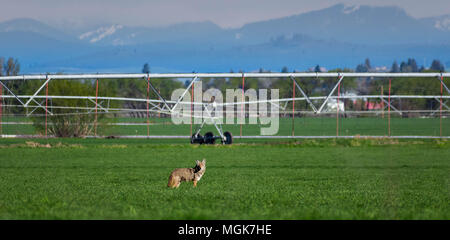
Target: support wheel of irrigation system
{"x": 197, "y": 138}
{"x": 228, "y": 138}
{"x": 209, "y": 138}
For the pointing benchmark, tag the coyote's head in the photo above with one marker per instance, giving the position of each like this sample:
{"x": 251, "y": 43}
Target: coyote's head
{"x": 200, "y": 165}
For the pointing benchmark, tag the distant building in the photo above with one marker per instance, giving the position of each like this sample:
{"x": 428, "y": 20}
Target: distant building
{"x": 373, "y": 105}
{"x": 381, "y": 69}
{"x": 333, "y": 105}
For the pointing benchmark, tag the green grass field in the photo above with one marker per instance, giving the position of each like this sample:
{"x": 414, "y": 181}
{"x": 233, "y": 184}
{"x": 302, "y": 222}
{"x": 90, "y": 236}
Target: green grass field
{"x": 306, "y": 126}
{"x": 310, "y": 179}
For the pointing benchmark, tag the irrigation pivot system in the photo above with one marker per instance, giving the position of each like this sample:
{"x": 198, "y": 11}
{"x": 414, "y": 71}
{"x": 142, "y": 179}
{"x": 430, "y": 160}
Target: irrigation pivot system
{"x": 337, "y": 100}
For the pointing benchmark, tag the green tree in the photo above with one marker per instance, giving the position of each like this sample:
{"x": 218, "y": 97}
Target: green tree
{"x": 69, "y": 121}
{"x": 367, "y": 64}
{"x": 317, "y": 68}
{"x": 395, "y": 68}
{"x": 437, "y": 66}
{"x": 12, "y": 67}
{"x": 146, "y": 68}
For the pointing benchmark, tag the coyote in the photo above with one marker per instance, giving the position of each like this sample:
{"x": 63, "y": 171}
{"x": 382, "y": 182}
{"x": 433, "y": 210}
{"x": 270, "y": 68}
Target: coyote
{"x": 187, "y": 174}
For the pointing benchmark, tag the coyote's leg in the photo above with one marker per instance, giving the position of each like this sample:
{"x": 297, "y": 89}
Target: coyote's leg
{"x": 195, "y": 183}
{"x": 171, "y": 182}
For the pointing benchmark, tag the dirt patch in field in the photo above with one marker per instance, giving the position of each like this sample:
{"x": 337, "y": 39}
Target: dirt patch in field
{"x": 114, "y": 146}
{"x": 35, "y": 145}
{"x": 31, "y": 144}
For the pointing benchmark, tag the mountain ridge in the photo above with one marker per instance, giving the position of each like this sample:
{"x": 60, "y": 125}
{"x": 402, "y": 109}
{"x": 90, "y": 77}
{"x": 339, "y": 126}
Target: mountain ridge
{"x": 299, "y": 41}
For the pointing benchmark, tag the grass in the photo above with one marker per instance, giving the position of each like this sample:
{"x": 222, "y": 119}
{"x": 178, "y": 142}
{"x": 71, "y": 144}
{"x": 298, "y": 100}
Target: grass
{"x": 311, "y": 179}
{"x": 323, "y": 126}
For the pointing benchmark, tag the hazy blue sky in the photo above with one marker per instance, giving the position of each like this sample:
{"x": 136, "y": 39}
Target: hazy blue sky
{"x": 226, "y": 13}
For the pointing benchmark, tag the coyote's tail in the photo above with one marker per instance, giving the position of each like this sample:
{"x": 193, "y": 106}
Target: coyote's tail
{"x": 172, "y": 181}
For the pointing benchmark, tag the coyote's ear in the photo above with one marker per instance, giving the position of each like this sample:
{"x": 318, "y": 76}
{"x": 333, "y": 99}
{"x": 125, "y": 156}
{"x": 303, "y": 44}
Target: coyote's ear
{"x": 204, "y": 160}
{"x": 197, "y": 162}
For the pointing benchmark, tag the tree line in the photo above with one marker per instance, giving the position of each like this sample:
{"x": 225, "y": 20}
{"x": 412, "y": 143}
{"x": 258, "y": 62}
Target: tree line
{"x": 405, "y": 66}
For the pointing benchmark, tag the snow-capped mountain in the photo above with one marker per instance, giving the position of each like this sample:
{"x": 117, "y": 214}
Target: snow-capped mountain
{"x": 441, "y": 23}
{"x": 355, "y": 24}
{"x": 100, "y": 33}
{"x": 119, "y": 35}
{"x": 350, "y": 8}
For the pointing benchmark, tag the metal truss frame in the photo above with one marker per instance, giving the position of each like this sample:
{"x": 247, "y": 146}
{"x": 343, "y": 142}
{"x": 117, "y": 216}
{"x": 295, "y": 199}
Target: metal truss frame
{"x": 168, "y": 107}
